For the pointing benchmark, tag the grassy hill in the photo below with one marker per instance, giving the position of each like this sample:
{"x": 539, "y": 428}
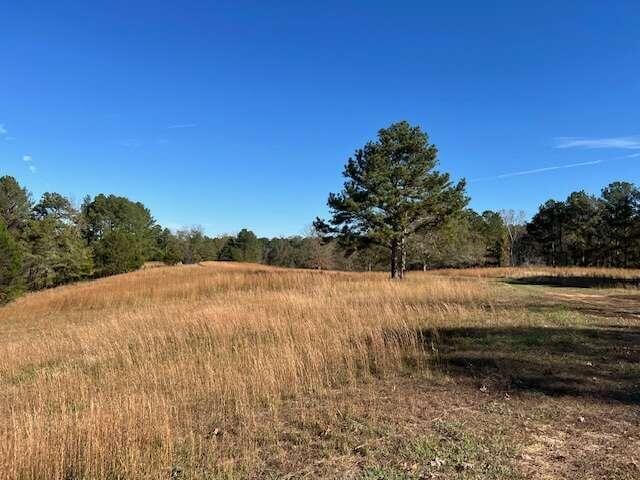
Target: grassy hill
{"x": 224, "y": 370}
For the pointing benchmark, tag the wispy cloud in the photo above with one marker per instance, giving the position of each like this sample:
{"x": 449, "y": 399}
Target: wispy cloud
{"x": 28, "y": 159}
{"x": 537, "y": 170}
{"x": 553, "y": 168}
{"x": 629, "y": 143}
{"x": 3, "y": 130}
{"x": 183, "y": 125}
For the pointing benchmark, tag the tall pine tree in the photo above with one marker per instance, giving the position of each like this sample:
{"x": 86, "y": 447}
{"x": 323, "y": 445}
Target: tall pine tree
{"x": 391, "y": 191}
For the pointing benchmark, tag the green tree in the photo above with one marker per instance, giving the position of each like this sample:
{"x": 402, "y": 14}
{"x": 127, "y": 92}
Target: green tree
{"x": 169, "y": 248}
{"x": 458, "y": 242}
{"x": 15, "y": 205}
{"x": 245, "y": 247}
{"x": 10, "y": 266}
{"x": 582, "y": 228}
{"x": 545, "y": 233}
{"x": 391, "y": 191}
{"x": 120, "y": 232}
{"x": 118, "y": 251}
{"x": 281, "y": 252}
{"x": 621, "y": 218}
{"x": 496, "y": 237}
{"x": 249, "y": 245}
{"x": 192, "y": 245}
{"x": 56, "y": 207}
{"x": 56, "y": 253}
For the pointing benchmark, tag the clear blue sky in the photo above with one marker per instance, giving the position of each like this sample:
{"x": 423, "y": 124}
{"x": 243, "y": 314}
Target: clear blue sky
{"x": 234, "y": 114}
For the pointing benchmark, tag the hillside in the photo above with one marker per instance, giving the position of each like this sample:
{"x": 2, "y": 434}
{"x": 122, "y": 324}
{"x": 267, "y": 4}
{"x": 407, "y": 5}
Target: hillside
{"x": 224, "y": 370}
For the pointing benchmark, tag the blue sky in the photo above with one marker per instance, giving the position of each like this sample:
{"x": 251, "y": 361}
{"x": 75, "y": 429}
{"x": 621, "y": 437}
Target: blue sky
{"x": 234, "y": 114}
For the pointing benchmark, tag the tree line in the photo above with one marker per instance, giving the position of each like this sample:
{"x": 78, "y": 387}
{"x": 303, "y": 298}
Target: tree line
{"x": 52, "y": 242}
{"x": 395, "y": 212}
{"x": 585, "y": 230}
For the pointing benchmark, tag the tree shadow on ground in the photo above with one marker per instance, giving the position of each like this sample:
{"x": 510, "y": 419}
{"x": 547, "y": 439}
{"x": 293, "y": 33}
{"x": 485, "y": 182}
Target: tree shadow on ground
{"x": 601, "y": 363}
{"x": 576, "y": 281}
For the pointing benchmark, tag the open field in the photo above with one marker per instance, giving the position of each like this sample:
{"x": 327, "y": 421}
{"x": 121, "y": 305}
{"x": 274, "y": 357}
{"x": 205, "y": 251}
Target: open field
{"x": 224, "y": 370}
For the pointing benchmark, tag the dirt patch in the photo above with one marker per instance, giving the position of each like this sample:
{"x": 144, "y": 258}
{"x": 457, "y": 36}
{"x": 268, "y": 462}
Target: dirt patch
{"x": 611, "y": 304}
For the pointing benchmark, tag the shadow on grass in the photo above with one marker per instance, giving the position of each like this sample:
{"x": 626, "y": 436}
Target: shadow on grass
{"x": 601, "y": 363}
{"x": 576, "y": 281}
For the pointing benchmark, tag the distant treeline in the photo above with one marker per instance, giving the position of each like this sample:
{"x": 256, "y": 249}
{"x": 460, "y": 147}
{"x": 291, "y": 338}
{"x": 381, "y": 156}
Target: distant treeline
{"x": 53, "y": 242}
{"x": 585, "y": 230}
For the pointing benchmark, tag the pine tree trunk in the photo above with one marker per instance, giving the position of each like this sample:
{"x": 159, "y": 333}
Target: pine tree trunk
{"x": 403, "y": 256}
{"x": 394, "y": 258}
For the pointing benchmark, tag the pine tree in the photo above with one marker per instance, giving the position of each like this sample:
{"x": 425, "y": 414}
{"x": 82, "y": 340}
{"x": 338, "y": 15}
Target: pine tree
{"x": 10, "y": 266}
{"x": 391, "y": 191}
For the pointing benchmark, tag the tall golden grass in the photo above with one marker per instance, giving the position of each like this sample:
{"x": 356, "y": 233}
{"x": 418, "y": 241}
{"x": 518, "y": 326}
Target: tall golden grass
{"x": 128, "y": 376}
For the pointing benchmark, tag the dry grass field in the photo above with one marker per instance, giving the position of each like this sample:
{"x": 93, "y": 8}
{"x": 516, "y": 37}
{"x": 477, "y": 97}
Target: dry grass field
{"x": 243, "y": 371}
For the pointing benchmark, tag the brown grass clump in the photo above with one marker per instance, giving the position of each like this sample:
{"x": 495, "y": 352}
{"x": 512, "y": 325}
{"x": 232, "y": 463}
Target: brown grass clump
{"x": 128, "y": 376}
